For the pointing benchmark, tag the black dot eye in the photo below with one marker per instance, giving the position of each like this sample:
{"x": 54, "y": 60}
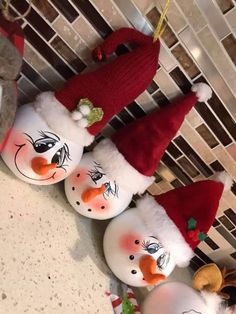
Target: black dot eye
{"x": 89, "y": 210}
{"x": 43, "y": 145}
{"x": 102, "y": 207}
{"x": 78, "y": 175}
{"x": 134, "y": 271}
{"x": 136, "y": 241}
{"x": 73, "y": 188}
{"x": 131, "y": 257}
{"x": 77, "y": 203}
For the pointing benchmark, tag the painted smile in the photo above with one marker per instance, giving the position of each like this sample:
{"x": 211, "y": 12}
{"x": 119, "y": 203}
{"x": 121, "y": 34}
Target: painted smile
{"x": 17, "y": 167}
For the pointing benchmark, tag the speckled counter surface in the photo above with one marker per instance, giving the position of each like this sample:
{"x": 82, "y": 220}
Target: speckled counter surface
{"x": 50, "y": 257}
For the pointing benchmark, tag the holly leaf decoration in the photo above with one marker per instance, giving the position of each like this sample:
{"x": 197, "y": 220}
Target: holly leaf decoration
{"x": 95, "y": 115}
{"x": 192, "y": 223}
{"x": 202, "y": 236}
{"x": 85, "y": 102}
{"x": 127, "y": 306}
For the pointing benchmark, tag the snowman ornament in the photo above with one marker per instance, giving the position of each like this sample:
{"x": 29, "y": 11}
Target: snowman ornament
{"x": 47, "y": 139}
{"x": 143, "y": 244}
{"x": 105, "y": 180}
{"x": 178, "y": 298}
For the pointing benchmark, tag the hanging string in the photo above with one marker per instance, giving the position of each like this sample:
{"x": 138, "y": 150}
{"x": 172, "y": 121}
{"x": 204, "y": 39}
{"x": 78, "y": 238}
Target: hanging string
{"x": 4, "y": 8}
{"x": 160, "y": 26}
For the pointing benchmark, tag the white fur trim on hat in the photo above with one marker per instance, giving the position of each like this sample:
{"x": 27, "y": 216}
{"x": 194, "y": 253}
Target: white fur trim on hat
{"x": 224, "y": 178}
{"x": 203, "y": 91}
{"x": 117, "y": 168}
{"x": 160, "y": 225}
{"x": 59, "y": 119}
{"x": 214, "y": 303}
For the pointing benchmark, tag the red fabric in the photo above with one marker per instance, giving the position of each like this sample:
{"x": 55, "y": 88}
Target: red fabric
{"x": 144, "y": 141}
{"x": 199, "y": 201}
{"x": 118, "y": 83}
{"x": 13, "y": 32}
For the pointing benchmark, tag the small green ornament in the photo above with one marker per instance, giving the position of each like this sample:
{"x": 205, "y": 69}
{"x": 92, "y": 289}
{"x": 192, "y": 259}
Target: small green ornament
{"x": 127, "y": 306}
{"x": 202, "y": 236}
{"x": 192, "y": 223}
{"x": 95, "y": 114}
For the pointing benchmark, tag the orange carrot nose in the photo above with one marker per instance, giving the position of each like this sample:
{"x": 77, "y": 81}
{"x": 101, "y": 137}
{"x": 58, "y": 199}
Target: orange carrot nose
{"x": 40, "y": 165}
{"x": 91, "y": 193}
{"x": 148, "y": 267}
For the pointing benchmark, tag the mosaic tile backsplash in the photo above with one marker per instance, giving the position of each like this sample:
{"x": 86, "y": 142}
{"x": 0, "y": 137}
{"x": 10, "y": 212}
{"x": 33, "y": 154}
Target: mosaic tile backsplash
{"x": 198, "y": 44}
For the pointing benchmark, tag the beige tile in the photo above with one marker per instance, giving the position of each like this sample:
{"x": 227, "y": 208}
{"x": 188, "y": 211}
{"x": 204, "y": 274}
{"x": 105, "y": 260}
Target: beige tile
{"x": 197, "y": 143}
{"x": 86, "y": 32}
{"x": 230, "y": 198}
{"x": 204, "y": 248}
{"x": 165, "y": 186}
{"x": 222, "y": 257}
{"x": 226, "y": 160}
{"x": 41, "y": 65}
{"x": 64, "y": 29}
{"x": 166, "y": 84}
{"x": 218, "y": 56}
{"x": 165, "y": 173}
{"x": 175, "y": 17}
{"x": 217, "y": 237}
{"x": 155, "y": 189}
{"x": 192, "y": 13}
{"x": 223, "y": 205}
{"x": 111, "y": 13}
{"x": 194, "y": 118}
{"x": 146, "y": 102}
{"x": 231, "y": 18}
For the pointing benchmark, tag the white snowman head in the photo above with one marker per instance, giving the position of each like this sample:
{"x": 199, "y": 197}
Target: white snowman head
{"x": 93, "y": 193}
{"x": 143, "y": 244}
{"x": 178, "y": 298}
{"x": 135, "y": 255}
{"x": 40, "y": 150}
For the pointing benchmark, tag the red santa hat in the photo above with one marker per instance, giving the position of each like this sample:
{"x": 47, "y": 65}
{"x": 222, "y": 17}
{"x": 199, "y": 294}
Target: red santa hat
{"x": 132, "y": 155}
{"x": 103, "y": 92}
{"x": 181, "y": 218}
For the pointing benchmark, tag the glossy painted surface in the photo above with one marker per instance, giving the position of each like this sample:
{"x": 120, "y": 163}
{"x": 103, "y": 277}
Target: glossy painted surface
{"x": 31, "y": 144}
{"x": 89, "y": 176}
{"x": 125, "y": 242}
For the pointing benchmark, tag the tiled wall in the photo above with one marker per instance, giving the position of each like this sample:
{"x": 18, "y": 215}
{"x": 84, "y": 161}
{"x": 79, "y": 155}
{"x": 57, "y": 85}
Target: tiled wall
{"x": 198, "y": 45}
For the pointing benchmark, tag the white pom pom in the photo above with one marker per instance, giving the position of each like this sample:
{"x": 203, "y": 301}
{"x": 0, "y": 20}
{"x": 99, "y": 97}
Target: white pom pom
{"x": 224, "y": 178}
{"x": 76, "y": 115}
{"x": 83, "y": 123}
{"x": 84, "y": 109}
{"x": 203, "y": 91}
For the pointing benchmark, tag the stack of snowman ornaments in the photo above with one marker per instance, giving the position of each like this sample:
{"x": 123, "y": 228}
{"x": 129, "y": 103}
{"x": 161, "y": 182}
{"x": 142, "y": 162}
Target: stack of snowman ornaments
{"x": 142, "y": 245}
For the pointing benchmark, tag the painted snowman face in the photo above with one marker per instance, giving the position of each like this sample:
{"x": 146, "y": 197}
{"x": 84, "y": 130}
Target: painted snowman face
{"x": 127, "y": 243}
{"x": 174, "y": 298}
{"x": 36, "y": 154}
{"x": 92, "y": 194}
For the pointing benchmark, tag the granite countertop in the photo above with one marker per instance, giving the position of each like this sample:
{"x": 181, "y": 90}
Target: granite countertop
{"x": 51, "y": 258}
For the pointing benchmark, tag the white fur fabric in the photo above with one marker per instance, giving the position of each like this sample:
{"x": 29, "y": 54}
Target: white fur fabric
{"x": 214, "y": 303}
{"x": 160, "y": 225}
{"x": 224, "y": 178}
{"x": 59, "y": 119}
{"x": 203, "y": 91}
{"x": 117, "y": 168}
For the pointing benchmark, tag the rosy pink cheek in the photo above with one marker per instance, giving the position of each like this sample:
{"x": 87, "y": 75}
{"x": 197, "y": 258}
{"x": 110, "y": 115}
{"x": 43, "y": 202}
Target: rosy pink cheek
{"x": 130, "y": 242}
{"x": 100, "y": 205}
{"x": 10, "y": 141}
{"x": 23, "y": 154}
{"x": 60, "y": 175}
{"x": 80, "y": 176}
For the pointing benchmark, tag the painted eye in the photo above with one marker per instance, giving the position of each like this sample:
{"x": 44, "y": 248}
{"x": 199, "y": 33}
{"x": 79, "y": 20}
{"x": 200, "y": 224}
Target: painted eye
{"x": 163, "y": 260}
{"x": 152, "y": 248}
{"x": 97, "y": 176}
{"x": 59, "y": 157}
{"x": 43, "y": 145}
